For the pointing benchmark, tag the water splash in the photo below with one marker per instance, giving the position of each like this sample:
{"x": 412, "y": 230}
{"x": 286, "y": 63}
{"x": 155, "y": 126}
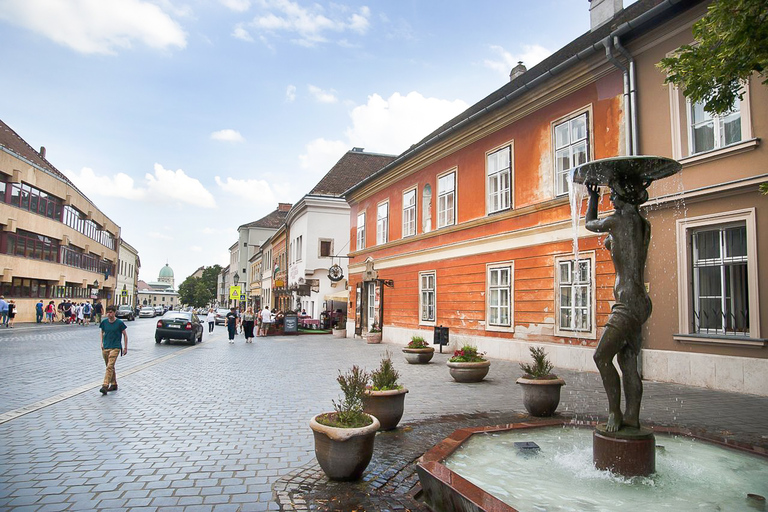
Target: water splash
{"x": 576, "y": 194}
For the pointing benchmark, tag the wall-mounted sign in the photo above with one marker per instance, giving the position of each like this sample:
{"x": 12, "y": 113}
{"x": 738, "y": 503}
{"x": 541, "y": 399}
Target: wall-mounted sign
{"x": 335, "y": 273}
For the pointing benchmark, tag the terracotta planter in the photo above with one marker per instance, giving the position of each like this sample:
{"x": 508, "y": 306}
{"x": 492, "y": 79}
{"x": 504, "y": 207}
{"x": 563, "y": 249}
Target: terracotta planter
{"x": 373, "y": 337}
{"x": 418, "y": 355}
{"x": 469, "y": 372}
{"x": 344, "y": 453}
{"x": 541, "y": 396}
{"x": 339, "y": 333}
{"x": 386, "y": 406}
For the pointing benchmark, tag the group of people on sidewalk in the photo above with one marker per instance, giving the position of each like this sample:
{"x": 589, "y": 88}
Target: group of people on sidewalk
{"x": 69, "y": 312}
{"x": 245, "y": 323}
{"x": 7, "y": 312}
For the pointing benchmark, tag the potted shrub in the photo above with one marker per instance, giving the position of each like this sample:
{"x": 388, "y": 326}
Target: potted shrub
{"x": 468, "y": 365}
{"x": 418, "y": 351}
{"x": 344, "y": 438}
{"x": 373, "y": 335}
{"x": 340, "y": 329}
{"x": 541, "y": 388}
{"x": 385, "y": 397}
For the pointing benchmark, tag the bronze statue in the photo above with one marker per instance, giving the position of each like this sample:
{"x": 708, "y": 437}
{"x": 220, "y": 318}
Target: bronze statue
{"x": 628, "y": 237}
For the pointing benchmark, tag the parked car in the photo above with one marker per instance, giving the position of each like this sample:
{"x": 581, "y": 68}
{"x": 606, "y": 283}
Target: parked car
{"x": 125, "y": 311}
{"x": 159, "y": 311}
{"x": 147, "y": 312}
{"x": 221, "y": 316}
{"x": 179, "y": 325}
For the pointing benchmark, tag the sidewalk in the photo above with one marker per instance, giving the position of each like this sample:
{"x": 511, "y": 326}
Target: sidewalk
{"x": 225, "y": 427}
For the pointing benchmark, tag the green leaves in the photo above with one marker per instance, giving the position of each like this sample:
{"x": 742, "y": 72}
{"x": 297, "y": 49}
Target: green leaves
{"x": 200, "y": 291}
{"x": 731, "y": 44}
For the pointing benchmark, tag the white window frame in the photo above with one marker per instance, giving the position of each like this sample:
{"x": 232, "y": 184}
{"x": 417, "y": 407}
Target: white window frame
{"x": 409, "y": 214}
{"x": 360, "y": 231}
{"x": 445, "y": 197}
{"x": 717, "y": 126}
{"x": 495, "y": 174}
{"x": 592, "y": 302}
{"x": 588, "y": 139}
{"x": 382, "y": 223}
{"x": 490, "y": 268}
{"x": 685, "y": 289}
{"x": 422, "y": 291}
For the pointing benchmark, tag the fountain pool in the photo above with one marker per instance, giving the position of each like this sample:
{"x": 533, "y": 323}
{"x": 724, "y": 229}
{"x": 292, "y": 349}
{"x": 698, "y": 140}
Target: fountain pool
{"x": 488, "y": 469}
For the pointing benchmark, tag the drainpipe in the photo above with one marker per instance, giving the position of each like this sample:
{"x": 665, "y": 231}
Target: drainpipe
{"x": 632, "y": 91}
{"x": 629, "y": 107}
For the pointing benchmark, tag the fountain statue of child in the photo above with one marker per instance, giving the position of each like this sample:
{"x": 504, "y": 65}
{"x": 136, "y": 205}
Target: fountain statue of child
{"x": 628, "y": 237}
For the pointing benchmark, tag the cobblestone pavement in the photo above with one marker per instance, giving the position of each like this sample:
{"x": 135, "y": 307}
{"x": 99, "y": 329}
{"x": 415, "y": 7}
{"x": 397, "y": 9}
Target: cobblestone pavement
{"x": 225, "y": 427}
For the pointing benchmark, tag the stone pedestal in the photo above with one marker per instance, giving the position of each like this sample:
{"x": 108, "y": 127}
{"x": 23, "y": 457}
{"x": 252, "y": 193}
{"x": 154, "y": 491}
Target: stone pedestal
{"x": 628, "y": 452}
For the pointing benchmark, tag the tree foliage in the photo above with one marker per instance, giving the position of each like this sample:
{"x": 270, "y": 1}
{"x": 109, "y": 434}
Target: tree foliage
{"x": 731, "y": 44}
{"x": 200, "y": 291}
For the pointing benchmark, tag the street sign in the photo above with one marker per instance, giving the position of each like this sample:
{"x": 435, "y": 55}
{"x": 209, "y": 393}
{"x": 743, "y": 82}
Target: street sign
{"x": 234, "y": 292}
{"x": 242, "y": 296}
{"x": 124, "y": 293}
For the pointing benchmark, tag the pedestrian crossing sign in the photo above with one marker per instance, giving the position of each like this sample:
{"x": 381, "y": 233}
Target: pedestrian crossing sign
{"x": 242, "y": 296}
{"x": 234, "y": 292}
{"x": 124, "y": 293}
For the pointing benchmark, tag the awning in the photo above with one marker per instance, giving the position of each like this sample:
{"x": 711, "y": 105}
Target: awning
{"x": 339, "y": 296}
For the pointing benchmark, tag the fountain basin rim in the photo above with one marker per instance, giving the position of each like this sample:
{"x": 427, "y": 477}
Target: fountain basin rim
{"x": 430, "y": 465}
{"x": 608, "y": 170}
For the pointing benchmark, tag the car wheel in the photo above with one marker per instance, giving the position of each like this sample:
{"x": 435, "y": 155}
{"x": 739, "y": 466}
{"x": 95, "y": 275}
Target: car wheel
{"x": 200, "y": 336}
{"x": 158, "y": 339}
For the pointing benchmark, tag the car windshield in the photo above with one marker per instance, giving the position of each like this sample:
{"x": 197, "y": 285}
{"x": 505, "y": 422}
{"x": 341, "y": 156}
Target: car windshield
{"x": 147, "y": 309}
{"x": 222, "y": 311}
{"x": 124, "y": 308}
{"x": 177, "y": 315}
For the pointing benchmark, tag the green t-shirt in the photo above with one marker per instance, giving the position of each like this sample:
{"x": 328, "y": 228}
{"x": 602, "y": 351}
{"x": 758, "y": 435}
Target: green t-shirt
{"x": 113, "y": 332}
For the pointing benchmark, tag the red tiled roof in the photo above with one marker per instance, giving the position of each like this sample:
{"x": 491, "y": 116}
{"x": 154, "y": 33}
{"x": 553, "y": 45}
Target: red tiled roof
{"x": 351, "y": 169}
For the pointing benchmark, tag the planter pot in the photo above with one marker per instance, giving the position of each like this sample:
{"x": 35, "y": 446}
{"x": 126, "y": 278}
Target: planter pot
{"x": 343, "y": 453}
{"x": 418, "y": 355}
{"x": 541, "y": 396}
{"x": 386, "y": 406}
{"x": 339, "y": 333}
{"x": 469, "y": 372}
{"x": 373, "y": 338}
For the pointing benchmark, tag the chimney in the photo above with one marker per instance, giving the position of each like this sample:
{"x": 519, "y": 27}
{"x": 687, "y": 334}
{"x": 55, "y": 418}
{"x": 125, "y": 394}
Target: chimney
{"x": 284, "y": 207}
{"x": 517, "y": 70}
{"x": 357, "y": 150}
{"x": 42, "y": 152}
{"x": 603, "y": 11}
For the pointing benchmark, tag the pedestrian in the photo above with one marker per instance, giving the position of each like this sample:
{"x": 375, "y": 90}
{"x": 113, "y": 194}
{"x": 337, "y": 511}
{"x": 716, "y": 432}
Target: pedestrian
{"x": 266, "y": 321}
{"x": 232, "y": 322}
{"x": 211, "y": 319}
{"x": 61, "y": 309}
{"x": 112, "y": 330}
{"x": 98, "y": 309}
{"x": 39, "y": 311}
{"x": 11, "y": 313}
{"x": 249, "y": 319}
{"x": 87, "y": 313}
{"x": 67, "y": 312}
{"x": 80, "y": 314}
{"x": 50, "y": 312}
{"x": 3, "y": 312}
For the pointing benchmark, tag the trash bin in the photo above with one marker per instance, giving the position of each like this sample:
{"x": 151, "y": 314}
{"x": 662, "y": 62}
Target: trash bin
{"x": 291, "y": 324}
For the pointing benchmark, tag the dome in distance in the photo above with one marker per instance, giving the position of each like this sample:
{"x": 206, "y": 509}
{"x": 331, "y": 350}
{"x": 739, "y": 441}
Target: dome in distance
{"x": 166, "y": 271}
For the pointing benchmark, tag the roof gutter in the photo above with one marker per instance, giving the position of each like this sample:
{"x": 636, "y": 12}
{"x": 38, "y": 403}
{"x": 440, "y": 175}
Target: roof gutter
{"x": 622, "y": 29}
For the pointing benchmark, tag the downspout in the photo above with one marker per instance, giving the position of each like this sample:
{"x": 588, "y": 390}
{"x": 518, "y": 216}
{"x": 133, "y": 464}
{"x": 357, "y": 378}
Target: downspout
{"x": 628, "y": 138}
{"x": 632, "y": 91}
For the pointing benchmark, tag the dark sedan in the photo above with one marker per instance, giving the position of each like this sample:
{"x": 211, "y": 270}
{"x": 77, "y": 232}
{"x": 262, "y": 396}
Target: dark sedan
{"x": 179, "y": 325}
{"x": 125, "y": 311}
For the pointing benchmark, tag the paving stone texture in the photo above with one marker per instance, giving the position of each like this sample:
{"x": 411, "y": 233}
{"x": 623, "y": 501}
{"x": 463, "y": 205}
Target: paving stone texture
{"x": 225, "y": 427}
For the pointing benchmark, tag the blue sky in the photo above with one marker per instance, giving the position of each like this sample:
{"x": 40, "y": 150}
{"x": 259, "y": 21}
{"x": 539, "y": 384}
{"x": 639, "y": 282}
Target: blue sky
{"x": 183, "y": 119}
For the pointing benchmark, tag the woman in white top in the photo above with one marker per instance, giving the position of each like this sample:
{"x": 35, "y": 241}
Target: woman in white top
{"x": 211, "y": 319}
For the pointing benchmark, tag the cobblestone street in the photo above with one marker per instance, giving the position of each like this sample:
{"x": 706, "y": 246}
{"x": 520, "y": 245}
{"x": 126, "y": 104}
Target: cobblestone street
{"x": 225, "y": 427}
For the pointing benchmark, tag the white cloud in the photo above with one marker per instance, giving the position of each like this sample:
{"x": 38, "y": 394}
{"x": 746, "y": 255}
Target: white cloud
{"x": 227, "y": 135}
{"x": 309, "y": 24}
{"x": 97, "y": 26}
{"x": 290, "y": 94}
{"x": 322, "y": 154}
{"x": 120, "y": 185}
{"x": 167, "y": 184}
{"x": 240, "y": 33}
{"x": 321, "y": 95}
{"x": 505, "y": 61}
{"x": 236, "y": 5}
{"x": 257, "y": 192}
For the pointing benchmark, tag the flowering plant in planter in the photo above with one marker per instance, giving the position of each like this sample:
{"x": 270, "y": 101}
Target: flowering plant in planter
{"x": 417, "y": 342}
{"x": 467, "y": 354}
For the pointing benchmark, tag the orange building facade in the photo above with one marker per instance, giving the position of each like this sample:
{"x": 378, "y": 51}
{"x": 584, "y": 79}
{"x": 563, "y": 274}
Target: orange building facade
{"x": 471, "y": 228}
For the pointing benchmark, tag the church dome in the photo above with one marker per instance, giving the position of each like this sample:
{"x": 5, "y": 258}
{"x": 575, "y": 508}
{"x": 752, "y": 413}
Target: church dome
{"x": 166, "y": 271}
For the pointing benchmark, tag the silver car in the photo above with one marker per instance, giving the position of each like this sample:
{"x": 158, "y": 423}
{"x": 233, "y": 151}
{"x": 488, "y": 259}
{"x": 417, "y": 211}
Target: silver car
{"x": 147, "y": 312}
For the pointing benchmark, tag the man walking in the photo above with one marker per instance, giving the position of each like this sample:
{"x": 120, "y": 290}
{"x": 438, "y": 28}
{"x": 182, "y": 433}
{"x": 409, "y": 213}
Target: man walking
{"x": 112, "y": 330}
{"x": 3, "y": 311}
{"x": 98, "y": 310}
{"x": 232, "y": 323}
{"x": 39, "y": 311}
